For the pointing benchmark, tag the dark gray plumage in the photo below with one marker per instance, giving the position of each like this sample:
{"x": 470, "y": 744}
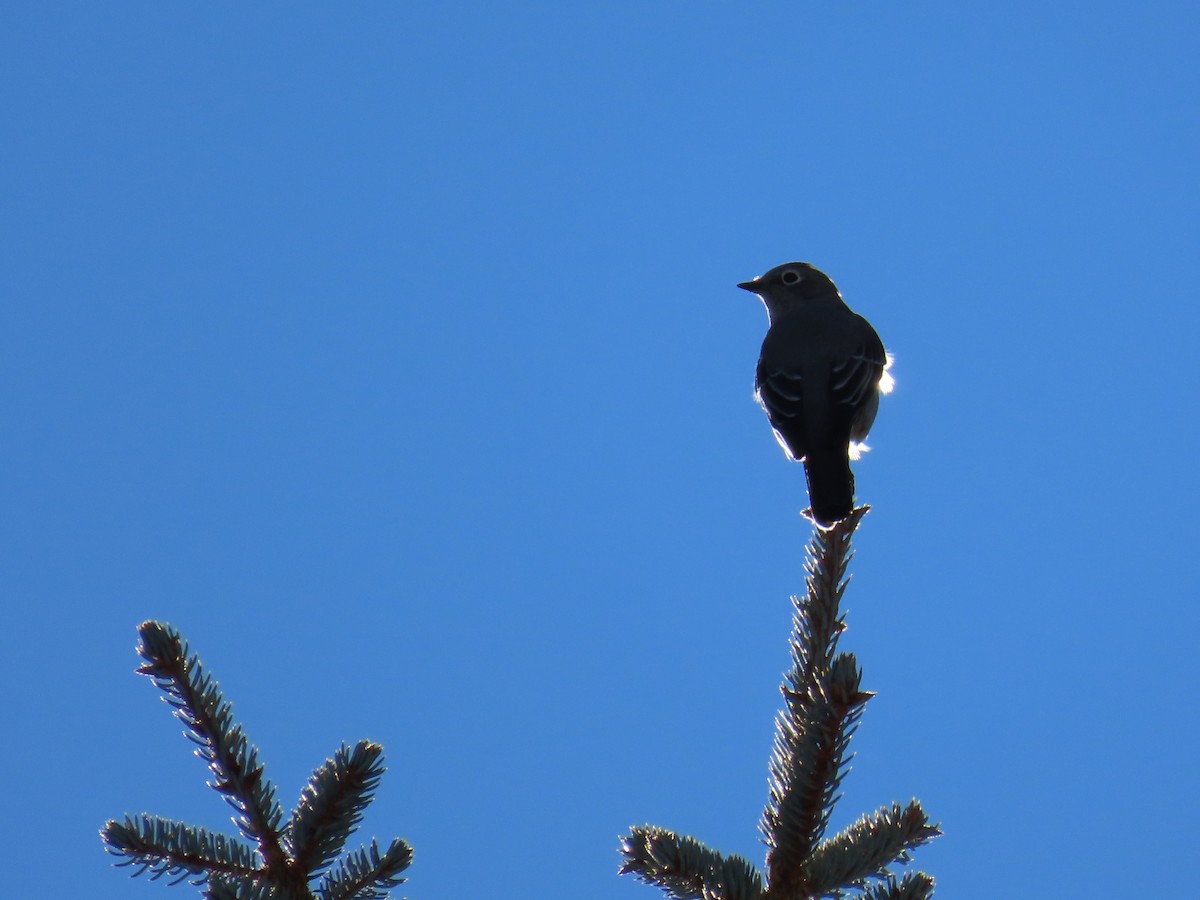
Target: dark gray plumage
{"x": 819, "y": 378}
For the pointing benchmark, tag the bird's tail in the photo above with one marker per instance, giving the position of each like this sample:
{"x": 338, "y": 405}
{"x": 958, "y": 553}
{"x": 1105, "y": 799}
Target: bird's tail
{"x": 830, "y": 485}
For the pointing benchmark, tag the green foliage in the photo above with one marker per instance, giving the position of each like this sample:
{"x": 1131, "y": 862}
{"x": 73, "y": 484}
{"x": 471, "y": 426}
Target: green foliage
{"x": 283, "y": 862}
{"x": 363, "y": 873}
{"x": 685, "y": 869}
{"x": 823, "y": 702}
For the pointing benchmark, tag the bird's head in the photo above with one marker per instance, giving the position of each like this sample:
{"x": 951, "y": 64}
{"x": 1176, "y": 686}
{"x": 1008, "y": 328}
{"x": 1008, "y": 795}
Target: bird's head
{"x": 789, "y": 284}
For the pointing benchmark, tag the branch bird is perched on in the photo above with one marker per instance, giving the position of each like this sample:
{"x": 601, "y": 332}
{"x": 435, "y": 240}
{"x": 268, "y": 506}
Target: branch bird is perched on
{"x": 819, "y": 378}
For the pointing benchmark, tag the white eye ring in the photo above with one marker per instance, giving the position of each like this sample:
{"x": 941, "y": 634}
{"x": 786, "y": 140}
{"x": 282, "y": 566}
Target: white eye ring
{"x": 790, "y": 277}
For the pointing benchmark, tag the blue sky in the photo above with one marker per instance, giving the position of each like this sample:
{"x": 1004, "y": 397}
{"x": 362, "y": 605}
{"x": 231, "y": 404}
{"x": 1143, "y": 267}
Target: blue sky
{"x": 392, "y": 352}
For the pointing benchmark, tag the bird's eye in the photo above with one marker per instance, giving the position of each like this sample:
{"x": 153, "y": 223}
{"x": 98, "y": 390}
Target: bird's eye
{"x": 790, "y": 277}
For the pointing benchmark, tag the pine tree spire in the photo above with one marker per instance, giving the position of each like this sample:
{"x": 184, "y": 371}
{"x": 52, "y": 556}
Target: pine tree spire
{"x": 823, "y": 702}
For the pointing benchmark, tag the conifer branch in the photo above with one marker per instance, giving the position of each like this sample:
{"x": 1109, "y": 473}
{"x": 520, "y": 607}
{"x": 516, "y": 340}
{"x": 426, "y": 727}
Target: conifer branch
{"x": 685, "y": 869}
{"x": 817, "y": 622}
{"x": 869, "y": 846}
{"x": 165, "y": 847}
{"x": 208, "y": 716}
{"x": 366, "y": 873}
{"x": 913, "y": 886}
{"x": 332, "y": 804}
{"x": 823, "y": 703}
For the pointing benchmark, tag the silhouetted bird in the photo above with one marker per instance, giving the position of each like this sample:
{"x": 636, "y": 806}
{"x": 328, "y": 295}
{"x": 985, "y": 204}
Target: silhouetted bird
{"x": 819, "y": 378}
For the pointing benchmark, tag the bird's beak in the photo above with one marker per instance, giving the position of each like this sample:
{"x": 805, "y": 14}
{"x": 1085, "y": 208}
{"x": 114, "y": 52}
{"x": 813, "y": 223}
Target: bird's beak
{"x": 751, "y": 286}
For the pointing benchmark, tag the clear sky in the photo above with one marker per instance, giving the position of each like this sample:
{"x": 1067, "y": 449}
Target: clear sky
{"x": 392, "y": 352}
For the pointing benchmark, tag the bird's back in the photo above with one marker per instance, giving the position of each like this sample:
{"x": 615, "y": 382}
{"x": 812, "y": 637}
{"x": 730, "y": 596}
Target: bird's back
{"x": 796, "y": 380}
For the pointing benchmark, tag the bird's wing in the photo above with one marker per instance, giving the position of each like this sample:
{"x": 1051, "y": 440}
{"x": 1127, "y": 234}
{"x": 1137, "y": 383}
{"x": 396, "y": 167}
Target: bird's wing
{"x": 857, "y": 374}
{"x": 780, "y": 391}
{"x": 856, "y": 385}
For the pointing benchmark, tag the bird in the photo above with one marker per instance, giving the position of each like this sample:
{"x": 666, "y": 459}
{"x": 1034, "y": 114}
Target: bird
{"x": 819, "y": 378}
